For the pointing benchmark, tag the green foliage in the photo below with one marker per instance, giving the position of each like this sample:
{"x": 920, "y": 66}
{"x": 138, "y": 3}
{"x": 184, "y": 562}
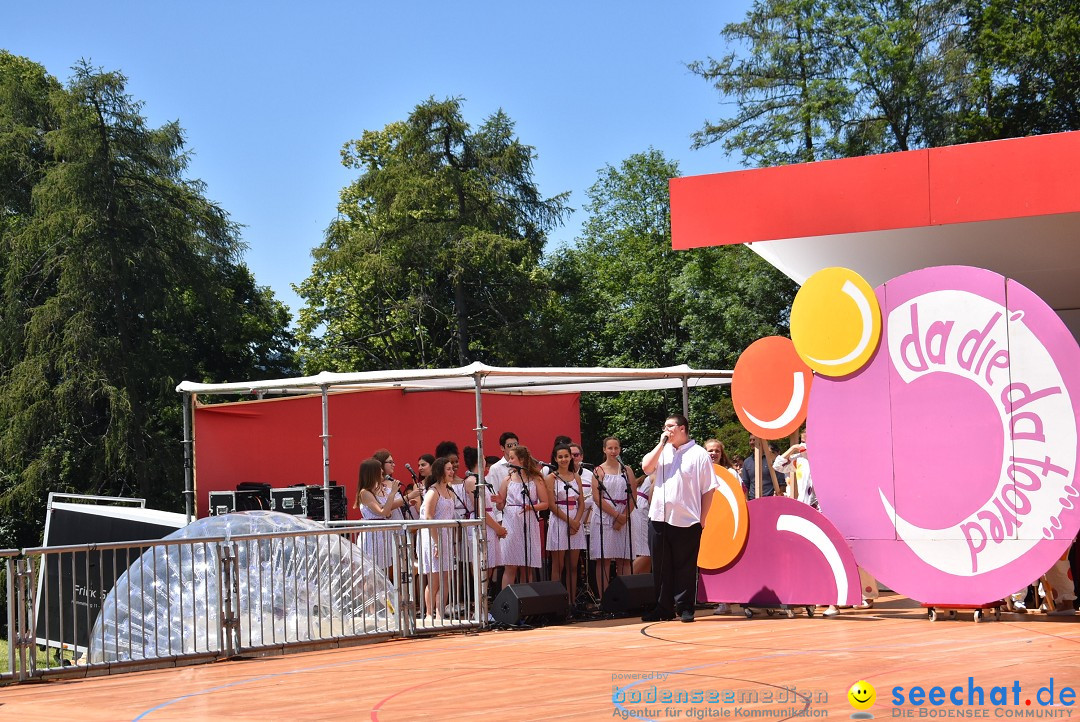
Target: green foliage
{"x": 119, "y": 280}
{"x": 1025, "y": 76}
{"x": 622, "y": 297}
{"x": 824, "y": 79}
{"x": 433, "y": 259}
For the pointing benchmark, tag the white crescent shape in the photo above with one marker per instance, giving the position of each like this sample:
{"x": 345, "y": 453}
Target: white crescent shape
{"x": 729, "y": 496}
{"x": 798, "y": 393}
{"x": 814, "y": 534}
{"x": 851, "y": 290}
{"x": 945, "y": 549}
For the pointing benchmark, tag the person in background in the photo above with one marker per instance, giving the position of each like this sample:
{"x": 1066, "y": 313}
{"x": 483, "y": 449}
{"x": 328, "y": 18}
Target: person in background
{"x": 449, "y": 450}
{"x": 639, "y": 527}
{"x": 771, "y": 482}
{"x": 715, "y": 449}
{"x": 498, "y": 471}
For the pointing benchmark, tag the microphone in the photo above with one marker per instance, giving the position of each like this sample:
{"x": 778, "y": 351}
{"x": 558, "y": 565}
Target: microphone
{"x": 618, "y": 458}
{"x": 515, "y": 466}
{"x": 586, "y": 465}
{"x": 411, "y": 472}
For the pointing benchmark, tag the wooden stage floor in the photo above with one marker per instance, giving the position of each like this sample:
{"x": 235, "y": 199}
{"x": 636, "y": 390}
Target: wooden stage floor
{"x": 595, "y": 670}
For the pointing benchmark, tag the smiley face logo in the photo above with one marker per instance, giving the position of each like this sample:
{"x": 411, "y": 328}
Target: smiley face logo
{"x": 862, "y": 695}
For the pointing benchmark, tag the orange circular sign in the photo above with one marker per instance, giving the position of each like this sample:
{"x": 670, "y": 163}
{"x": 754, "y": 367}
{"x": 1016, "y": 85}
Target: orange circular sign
{"x": 727, "y": 524}
{"x": 770, "y": 388}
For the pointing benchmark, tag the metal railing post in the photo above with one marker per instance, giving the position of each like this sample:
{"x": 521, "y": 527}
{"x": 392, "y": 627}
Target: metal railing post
{"x": 230, "y": 599}
{"x": 23, "y": 636}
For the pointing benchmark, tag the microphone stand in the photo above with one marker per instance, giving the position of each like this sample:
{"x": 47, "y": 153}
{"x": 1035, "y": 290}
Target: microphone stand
{"x": 405, "y": 506}
{"x": 525, "y": 495}
{"x": 600, "y": 522}
{"x": 630, "y": 497}
{"x": 566, "y": 559}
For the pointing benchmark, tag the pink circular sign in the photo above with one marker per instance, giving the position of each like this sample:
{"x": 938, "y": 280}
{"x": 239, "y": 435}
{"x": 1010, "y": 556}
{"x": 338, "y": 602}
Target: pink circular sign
{"x": 949, "y": 461}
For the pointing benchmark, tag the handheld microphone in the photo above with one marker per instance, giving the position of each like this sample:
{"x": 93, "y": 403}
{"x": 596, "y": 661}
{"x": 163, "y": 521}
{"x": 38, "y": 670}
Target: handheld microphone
{"x": 411, "y": 472}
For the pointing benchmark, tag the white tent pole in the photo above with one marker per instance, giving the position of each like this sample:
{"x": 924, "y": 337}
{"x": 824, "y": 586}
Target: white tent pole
{"x": 481, "y": 512}
{"x": 325, "y": 454}
{"x": 189, "y": 479}
{"x": 685, "y": 398}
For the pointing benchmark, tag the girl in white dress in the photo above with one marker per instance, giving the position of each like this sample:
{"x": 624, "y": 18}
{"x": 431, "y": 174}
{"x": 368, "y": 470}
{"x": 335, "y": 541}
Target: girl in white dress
{"x": 564, "y": 487}
{"x": 523, "y": 494}
{"x": 436, "y": 545}
{"x": 614, "y": 486}
{"x": 375, "y": 500}
{"x": 639, "y": 523}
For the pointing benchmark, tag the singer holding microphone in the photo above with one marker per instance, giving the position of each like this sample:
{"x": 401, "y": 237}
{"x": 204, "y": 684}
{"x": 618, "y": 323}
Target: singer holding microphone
{"x": 522, "y": 495}
{"x": 683, "y": 480}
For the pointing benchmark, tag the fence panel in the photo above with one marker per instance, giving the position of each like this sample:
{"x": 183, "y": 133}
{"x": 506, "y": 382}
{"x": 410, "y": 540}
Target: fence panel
{"x": 101, "y": 608}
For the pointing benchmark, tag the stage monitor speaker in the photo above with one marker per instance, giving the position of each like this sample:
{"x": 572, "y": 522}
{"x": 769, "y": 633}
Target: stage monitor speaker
{"x": 630, "y": 595}
{"x": 535, "y": 603}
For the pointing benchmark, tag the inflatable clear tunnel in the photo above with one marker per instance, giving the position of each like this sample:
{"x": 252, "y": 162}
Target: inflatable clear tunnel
{"x": 296, "y": 588}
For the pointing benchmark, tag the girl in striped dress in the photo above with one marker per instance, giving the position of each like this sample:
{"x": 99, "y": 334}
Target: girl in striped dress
{"x": 436, "y": 545}
{"x": 614, "y": 485}
{"x": 564, "y": 487}
{"x": 523, "y": 494}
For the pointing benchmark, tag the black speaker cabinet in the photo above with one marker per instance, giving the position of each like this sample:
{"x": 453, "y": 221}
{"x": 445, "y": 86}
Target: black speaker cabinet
{"x": 535, "y": 603}
{"x": 631, "y": 595}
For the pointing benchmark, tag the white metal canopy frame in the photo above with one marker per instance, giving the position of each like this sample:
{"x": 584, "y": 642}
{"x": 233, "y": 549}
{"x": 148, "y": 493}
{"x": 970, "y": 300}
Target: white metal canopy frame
{"x": 477, "y": 377}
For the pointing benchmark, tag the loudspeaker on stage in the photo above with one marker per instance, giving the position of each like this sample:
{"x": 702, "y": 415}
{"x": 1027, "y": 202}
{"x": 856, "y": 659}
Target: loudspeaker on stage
{"x": 535, "y": 603}
{"x": 632, "y": 594}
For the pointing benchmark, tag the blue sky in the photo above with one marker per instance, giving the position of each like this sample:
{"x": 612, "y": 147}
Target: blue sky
{"x": 268, "y": 92}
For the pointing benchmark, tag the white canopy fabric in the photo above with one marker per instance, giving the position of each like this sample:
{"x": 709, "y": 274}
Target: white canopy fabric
{"x": 491, "y": 378}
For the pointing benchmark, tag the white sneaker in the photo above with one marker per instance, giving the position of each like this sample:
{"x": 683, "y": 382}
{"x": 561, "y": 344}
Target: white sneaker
{"x": 832, "y": 611}
{"x": 1020, "y": 607}
{"x": 722, "y": 608}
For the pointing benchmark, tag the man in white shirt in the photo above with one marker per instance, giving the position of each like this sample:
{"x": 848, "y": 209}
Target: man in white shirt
{"x": 682, "y": 489}
{"x": 508, "y": 441}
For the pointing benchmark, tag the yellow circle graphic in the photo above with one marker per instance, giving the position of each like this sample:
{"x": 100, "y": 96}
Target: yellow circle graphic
{"x": 835, "y": 322}
{"x": 862, "y": 695}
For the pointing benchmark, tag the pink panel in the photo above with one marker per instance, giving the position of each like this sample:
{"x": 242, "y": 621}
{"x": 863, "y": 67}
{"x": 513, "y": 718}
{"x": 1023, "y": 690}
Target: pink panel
{"x": 975, "y": 389}
{"x": 793, "y": 555}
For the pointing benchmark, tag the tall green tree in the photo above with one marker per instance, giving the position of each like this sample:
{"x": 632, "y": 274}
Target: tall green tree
{"x": 789, "y": 88}
{"x": 433, "y": 259}
{"x": 620, "y": 296}
{"x": 1026, "y": 79}
{"x": 820, "y": 79}
{"x": 119, "y": 280}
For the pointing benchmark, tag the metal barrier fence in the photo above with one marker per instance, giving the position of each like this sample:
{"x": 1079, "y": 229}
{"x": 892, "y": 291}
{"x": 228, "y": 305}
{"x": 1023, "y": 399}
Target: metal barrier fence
{"x": 101, "y": 608}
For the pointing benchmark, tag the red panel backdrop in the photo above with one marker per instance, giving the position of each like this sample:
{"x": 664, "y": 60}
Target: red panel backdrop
{"x": 277, "y": 441}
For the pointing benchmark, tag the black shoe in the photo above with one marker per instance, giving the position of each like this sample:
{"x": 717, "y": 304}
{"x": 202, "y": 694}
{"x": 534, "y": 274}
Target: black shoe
{"x": 656, "y": 615}
{"x": 687, "y": 616}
